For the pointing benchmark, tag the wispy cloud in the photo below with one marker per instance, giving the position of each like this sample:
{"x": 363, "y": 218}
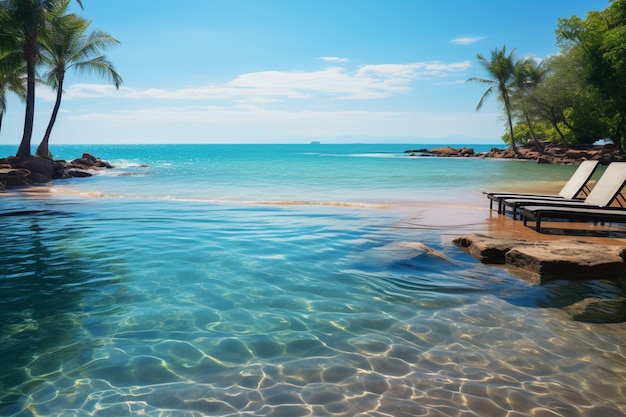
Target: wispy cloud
{"x": 258, "y": 124}
{"x": 334, "y": 59}
{"x": 467, "y": 40}
{"x": 365, "y": 82}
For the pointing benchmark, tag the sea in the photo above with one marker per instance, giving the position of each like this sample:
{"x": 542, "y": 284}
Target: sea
{"x": 287, "y": 280}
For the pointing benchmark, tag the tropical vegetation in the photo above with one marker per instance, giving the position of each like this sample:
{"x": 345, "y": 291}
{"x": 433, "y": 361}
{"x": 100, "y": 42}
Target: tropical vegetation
{"x": 43, "y": 35}
{"x": 575, "y": 97}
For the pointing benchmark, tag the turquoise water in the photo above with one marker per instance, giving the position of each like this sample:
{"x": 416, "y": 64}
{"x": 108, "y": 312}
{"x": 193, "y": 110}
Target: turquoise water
{"x": 286, "y": 280}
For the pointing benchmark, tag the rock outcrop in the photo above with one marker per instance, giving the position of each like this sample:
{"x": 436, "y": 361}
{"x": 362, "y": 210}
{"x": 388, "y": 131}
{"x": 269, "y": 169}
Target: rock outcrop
{"x": 37, "y": 170}
{"x": 549, "y": 154}
{"x": 544, "y": 261}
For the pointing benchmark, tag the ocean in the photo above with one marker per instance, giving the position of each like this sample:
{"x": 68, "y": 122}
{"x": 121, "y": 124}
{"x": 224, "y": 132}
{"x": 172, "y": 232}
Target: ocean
{"x": 287, "y": 280}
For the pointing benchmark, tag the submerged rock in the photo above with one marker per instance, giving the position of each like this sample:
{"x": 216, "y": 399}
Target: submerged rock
{"x": 597, "y": 310}
{"x": 401, "y": 251}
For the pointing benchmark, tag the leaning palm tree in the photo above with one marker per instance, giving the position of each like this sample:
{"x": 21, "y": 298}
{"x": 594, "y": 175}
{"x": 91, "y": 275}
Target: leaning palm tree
{"x": 68, "y": 47}
{"x": 501, "y": 68}
{"x": 24, "y": 22}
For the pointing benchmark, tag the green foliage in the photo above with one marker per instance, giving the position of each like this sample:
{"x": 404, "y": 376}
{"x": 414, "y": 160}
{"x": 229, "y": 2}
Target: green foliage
{"x": 544, "y": 132}
{"x": 599, "y": 43}
{"x": 27, "y": 28}
{"x": 577, "y": 96}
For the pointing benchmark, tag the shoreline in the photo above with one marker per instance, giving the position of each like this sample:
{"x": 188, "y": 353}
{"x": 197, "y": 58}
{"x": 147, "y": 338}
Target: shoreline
{"x": 468, "y": 212}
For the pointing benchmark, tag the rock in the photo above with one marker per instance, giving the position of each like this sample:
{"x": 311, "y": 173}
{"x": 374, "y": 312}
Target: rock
{"x": 15, "y": 172}
{"x": 41, "y": 169}
{"x": 10, "y": 177}
{"x": 90, "y": 157}
{"x": 486, "y": 249}
{"x": 549, "y": 260}
{"x": 542, "y": 153}
{"x": 597, "y": 310}
{"x": 77, "y": 173}
{"x": 577, "y": 154}
{"x": 39, "y": 178}
{"x": 83, "y": 162}
{"x": 567, "y": 259}
{"x": 401, "y": 250}
{"x": 446, "y": 151}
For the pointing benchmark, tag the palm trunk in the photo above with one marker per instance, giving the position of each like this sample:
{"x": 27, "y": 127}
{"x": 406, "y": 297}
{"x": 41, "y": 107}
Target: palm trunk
{"x": 532, "y": 133}
{"x": 507, "y": 105}
{"x": 43, "y": 150}
{"x": 30, "y": 53}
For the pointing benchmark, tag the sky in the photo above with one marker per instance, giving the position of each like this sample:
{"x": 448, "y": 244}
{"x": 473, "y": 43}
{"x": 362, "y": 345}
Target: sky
{"x": 295, "y": 71}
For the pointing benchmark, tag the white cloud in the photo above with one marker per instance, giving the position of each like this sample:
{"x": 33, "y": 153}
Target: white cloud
{"x": 467, "y": 40}
{"x": 334, "y": 59}
{"x": 365, "y": 82}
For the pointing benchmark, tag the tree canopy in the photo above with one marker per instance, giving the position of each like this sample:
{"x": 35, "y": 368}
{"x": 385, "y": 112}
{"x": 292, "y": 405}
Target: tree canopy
{"x": 577, "y": 96}
{"x": 30, "y": 39}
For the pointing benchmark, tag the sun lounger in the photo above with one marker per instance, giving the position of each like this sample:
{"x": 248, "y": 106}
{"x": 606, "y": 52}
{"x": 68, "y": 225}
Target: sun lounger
{"x": 596, "y": 207}
{"x": 575, "y": 186}
{"x": 606, "y": 191}
{"x": 581, "y": 214}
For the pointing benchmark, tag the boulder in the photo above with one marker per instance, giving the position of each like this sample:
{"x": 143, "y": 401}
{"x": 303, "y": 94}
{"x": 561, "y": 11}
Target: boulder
{"x": 488, "y": 250}
{"x": 77, "y": 173}
{"x": 10, "y": 177}
{"x": 90, "y": 157}
{"x": 83, "y": 162}
{"x": 567, "y": 259}
{"x": 549, "y": 260}
{"x": 41, "y": 169}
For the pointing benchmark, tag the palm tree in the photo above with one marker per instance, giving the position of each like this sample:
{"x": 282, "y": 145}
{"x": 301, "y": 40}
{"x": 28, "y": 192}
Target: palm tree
{"x": 528, "y": 75}
{"x": 69, "y": 47}
{"x": 24, "y": 21}
{"x": 12, "y": 72}
{"x": 501, "y": 68}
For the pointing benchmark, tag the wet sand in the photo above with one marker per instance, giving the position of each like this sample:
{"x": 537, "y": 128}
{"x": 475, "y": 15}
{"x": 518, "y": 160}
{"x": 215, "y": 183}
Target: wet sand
{"x": 468, "y": 213}
{"x": 473, "y": 215}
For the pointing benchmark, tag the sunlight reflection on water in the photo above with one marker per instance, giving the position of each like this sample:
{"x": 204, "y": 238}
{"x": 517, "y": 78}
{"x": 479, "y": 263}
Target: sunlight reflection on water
{"x": 188, "y": 308}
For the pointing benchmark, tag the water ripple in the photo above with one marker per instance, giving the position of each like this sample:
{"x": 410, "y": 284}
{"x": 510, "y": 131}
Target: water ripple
{"x": 195, "y": 309}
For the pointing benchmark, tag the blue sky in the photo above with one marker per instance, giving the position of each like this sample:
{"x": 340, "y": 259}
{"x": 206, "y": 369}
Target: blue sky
{"x": 294, "y": 71}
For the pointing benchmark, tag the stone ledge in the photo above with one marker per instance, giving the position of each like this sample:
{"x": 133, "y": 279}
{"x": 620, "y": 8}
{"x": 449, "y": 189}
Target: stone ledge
{"x": 546, "y": 261}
